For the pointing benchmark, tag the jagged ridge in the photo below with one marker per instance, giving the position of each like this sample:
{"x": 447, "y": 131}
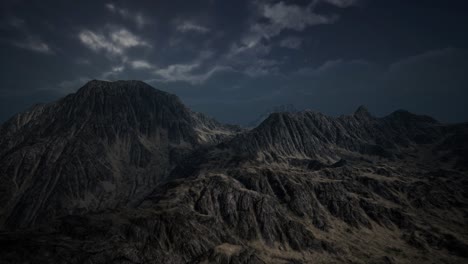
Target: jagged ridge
{"x": 300, "y": 188}
{"x": 106, "y": 145}
{"x": 313, "y": 135}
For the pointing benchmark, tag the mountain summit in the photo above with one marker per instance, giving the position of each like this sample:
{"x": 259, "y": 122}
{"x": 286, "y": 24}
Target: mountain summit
{"x": 120, "y": 172}
{"x": 362, "y": 112}
{"x": 107, "y": 145}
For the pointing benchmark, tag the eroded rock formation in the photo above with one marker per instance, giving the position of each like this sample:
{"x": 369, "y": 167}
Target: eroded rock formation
{"x": 122, "y": 173}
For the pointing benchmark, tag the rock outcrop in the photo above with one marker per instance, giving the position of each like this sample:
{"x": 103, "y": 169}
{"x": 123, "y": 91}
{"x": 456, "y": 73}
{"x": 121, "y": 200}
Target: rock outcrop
{"x": 314, "y": 135}
{"x": 122, "y": 173}
{"x": 287, "y": 108}
{"x": 105, "y": 146}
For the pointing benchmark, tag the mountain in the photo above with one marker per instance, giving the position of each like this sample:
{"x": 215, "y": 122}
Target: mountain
{"x": 123, "y": 173}
{"x": 107, "y": 145}
{"x": 314, "y": 135}
{"x": 289, "y": 108}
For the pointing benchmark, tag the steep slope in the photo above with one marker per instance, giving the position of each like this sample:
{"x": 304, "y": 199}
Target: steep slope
{"x": 287, "y": 108}
{"x": 317, "y": 136}
{"x": 106, "y": 145}
{"x": 300, "y": 188}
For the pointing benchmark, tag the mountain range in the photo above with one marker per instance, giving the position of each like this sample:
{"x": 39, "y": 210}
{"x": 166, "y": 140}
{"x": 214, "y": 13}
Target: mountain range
{"x": 120, "y": 172}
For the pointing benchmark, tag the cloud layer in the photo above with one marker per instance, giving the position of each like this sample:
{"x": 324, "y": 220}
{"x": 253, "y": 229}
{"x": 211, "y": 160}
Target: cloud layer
{"x": 234, "y": 59}
{"x": 115, "y": 42}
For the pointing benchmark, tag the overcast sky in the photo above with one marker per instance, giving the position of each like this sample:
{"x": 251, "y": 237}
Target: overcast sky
{"x": 234, "y": 59}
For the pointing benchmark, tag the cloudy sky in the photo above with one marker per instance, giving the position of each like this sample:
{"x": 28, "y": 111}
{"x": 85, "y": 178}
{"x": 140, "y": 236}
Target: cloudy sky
{"x": 234, "y": 59}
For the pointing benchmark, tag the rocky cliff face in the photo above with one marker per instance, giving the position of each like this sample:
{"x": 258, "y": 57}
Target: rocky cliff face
{"x": 314, "y": 135}
{"x": 287, "y": 108}
{"x": 172, "y": 186}
{"x": 107, "y": 145}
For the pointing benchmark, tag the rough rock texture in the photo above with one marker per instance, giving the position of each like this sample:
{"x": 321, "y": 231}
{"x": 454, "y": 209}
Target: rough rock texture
{"x": 317, "y": 136}
{"x": 287, "y": 108}
{"x": 300, "y": 188}
{"x": 107, "y": 145}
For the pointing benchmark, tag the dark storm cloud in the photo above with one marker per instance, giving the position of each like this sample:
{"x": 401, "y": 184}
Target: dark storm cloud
{"x": 138, "y": 18}
{"x": 234, "y": 59}
{"x": 432, "y": 83}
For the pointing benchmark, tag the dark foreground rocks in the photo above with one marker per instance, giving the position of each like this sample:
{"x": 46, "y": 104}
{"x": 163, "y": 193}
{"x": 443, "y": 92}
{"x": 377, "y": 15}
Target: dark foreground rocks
{"x": 122, "y": 173}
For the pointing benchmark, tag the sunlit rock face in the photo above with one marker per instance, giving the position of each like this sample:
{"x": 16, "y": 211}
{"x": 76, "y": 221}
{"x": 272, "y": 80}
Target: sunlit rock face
{"x": 123, "y": 173}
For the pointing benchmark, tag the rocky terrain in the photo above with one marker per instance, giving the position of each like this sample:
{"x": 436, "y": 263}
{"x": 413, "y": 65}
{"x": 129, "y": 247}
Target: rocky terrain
{"x": 123, "y": 173}
{"x": 107, "y": 145}
{"x": 287, "y": 108}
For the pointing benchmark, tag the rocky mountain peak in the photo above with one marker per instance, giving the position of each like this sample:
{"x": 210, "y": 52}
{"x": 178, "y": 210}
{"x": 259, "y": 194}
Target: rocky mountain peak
{"x": 310, "y": 134}
{"x": 121, "y": 172}
{"x": 99, "y": 85}
{"x": 123, "y": 92}
{"x": 106, "y": 145}
{"x": 404, "y": 116}
{"x": 286, "y": 108}
{"x": 362, "y": 112}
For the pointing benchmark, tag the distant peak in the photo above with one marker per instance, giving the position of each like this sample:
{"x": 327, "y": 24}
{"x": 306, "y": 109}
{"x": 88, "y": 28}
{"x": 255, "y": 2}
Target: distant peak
{"x": 362, "y": 111}
{"x": 92, "y": 82}
{"x": 404, "y": 115}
